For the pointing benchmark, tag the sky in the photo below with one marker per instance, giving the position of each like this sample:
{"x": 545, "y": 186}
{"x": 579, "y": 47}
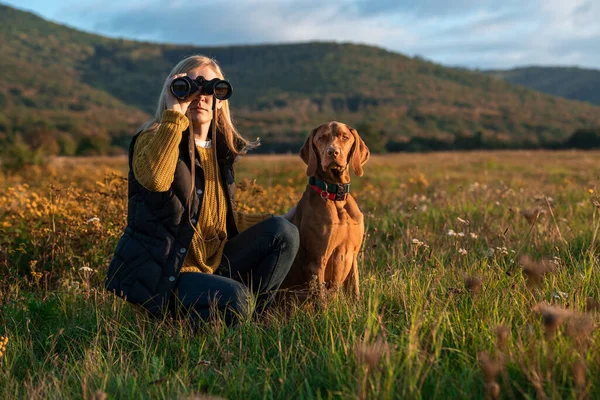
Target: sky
{"x": 476, "y": 34}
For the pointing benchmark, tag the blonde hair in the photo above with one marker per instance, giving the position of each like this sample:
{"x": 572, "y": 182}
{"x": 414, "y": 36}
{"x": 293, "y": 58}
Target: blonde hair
{"x": 224, "y": 124}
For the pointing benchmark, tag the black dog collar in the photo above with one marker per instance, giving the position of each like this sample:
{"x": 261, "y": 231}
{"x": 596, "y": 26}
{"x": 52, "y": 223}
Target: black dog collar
{"x": 331, "y": 191}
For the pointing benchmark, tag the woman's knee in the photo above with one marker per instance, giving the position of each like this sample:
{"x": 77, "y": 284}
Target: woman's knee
{"x": 286, "y": 232}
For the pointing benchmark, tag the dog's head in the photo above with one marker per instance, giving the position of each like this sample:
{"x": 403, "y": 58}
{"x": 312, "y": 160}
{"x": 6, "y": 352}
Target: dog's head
{"x": 331, "y": 148}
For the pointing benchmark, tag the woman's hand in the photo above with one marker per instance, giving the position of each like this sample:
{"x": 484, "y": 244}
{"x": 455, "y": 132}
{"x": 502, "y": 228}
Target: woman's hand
{"x": 290, "y": 214}
{"x": 175, "y": 104}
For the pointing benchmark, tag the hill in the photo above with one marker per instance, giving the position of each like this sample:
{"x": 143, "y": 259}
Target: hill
{"x": 570, "y": 82}
{"x": 43, "y": 94}
{"x": 74, "y": 93}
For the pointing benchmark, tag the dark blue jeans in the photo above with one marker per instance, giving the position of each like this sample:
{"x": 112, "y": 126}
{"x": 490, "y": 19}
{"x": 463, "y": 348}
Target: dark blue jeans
{"x": 255, "y": 262}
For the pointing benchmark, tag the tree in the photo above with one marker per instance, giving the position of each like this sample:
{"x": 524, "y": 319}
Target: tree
{"x": 584, "y": 139}
{"x": 374, "y": 139}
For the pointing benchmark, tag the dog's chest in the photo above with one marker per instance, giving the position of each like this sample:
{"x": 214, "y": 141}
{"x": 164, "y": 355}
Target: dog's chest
{"x": 330, "y": 221}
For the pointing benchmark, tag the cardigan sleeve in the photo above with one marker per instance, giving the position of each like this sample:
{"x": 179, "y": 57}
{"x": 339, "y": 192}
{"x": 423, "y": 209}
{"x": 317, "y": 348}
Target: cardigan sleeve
{"x": 155, "y": 154}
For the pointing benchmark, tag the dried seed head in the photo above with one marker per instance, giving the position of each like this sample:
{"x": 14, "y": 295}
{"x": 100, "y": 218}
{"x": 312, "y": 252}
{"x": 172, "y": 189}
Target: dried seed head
{"x": 579, "y": 373}
{"x": 535, "y": 270}
{"x": 473, "y": 284}
{"x": 592, "y": 305}
{"x": 502, "y": 333}
{"x": 489, "y": 366}
{"x": 532, "y": 215}
{"x": 579, "y": 328}
{"x": 492, "y": 390}
{"x": 370, "y": 354}
{"x": 552, "y": 317}
{"x": 200, "y": 396}
{"x": 99, "y": 395}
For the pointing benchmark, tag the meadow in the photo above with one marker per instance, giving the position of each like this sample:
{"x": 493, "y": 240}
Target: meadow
{"x": 479, "y": 279}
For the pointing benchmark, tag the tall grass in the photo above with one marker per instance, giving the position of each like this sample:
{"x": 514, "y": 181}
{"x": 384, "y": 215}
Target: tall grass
{"x": 479, "y": 278}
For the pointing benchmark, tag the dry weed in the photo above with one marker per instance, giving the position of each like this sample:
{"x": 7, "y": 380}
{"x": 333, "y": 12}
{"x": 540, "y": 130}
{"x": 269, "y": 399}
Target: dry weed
{"x": 535, "y": 271}
{"x": 552, "y": 317}
{"x": 473, "y": 284}
{"x": 532, "y": 215}
{"x": 502, "y": 333}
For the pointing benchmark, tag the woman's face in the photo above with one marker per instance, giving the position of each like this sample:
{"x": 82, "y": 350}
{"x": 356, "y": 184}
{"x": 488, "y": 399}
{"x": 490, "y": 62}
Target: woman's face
{"x": 201, "y": 107}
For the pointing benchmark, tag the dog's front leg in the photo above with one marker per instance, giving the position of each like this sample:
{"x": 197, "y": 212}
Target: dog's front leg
{"x": 315, "y": 276}
{"x": 352, "y": 283}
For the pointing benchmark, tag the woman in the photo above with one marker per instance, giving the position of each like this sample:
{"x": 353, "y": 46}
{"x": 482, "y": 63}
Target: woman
{"x": 185, "y": 246}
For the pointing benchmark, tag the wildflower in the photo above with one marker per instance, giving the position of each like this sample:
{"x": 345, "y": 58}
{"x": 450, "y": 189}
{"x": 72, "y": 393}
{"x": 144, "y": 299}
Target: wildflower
{"x": 558, "y": 295}
{"x": 462, "y": 221}
{"x": 451, "y": 232}
{"x": 461, "y": 234}
{"x": 502, "y": 250}
{"x": 462, "y": 251}
{"x": 36, "y": 275}
{"x": 86, "y": 269}
{"x": 473, "y": 235}
{"x": 94, "y": 219}
{"x": 419, "y": 180}
{"x": 3, "y": 343}
{"x": 419, "y": 243}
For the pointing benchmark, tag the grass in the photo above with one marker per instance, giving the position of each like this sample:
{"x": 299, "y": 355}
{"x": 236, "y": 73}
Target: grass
{"x": 478, "y": 278}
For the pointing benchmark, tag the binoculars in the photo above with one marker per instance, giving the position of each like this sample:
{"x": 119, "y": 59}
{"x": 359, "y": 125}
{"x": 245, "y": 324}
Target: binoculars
{"x": 185, "y": 86}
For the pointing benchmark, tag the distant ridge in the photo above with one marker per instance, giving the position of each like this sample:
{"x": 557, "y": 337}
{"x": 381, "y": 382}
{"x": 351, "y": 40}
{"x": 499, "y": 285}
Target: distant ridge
{"x": 569, "y": 82}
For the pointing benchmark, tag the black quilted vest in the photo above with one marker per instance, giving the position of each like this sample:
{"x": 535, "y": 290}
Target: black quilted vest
{"x": 149, "y": 255}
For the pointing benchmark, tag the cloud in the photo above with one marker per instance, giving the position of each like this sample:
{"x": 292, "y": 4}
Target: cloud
{"x": 434, "y": 8}
{"x": 540, "y": 32}
{"x": 234, "y": 22}
{"x": 471, "y": 33}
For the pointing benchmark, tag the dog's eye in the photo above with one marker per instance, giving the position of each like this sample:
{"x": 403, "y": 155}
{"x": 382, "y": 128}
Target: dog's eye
{"x": 345, "y": 137}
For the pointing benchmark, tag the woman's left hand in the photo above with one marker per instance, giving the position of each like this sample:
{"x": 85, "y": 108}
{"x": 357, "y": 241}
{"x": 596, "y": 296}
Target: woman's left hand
{"x": 290, "y": 214}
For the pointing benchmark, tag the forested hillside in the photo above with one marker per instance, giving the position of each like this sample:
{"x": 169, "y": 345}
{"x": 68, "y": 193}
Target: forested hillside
{"x": 70, "y": 92}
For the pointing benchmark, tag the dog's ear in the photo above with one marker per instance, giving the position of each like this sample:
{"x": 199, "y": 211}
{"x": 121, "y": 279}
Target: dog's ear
{"x": 359, "y": 154}
{"x": 309, "y": 154}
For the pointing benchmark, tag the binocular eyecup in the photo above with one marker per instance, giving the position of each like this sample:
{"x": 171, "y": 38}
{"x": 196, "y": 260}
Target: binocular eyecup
{"x": 185, "y": 86}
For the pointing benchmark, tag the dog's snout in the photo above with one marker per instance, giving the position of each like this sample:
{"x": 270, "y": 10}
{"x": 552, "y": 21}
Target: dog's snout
{"x": 333, "y": 151}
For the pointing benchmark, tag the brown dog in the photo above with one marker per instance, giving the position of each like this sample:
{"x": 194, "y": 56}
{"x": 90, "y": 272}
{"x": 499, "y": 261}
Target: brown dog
{"x": 330, "y": 223}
